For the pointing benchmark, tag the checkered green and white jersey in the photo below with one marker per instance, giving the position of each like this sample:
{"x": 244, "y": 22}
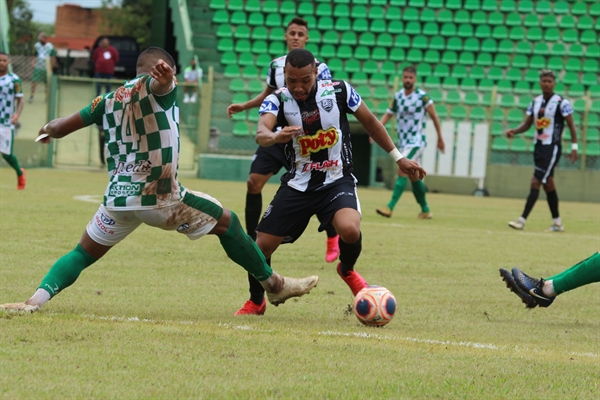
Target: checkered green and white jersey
{"x": 10, "y": 89}
{"x": 142, "y": 135}
{"x": 43, "y": 51}
{"x": 410, "y": 116}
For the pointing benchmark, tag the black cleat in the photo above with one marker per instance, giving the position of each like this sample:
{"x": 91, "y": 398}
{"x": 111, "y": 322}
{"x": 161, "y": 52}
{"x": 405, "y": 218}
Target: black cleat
{"x": 508, "y": 278}
{"x": 532, "y": 286}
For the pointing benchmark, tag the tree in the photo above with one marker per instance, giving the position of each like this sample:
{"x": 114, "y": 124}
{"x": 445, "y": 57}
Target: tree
{"x": 23, "y": 31}
{"x": 128, "y": 18}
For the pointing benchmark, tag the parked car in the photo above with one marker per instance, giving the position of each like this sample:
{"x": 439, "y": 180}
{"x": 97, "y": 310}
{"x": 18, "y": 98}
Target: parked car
{"x": 128, "y": 49}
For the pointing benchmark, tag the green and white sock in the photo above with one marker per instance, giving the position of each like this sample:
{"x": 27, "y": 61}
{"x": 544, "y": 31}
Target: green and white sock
{"x": 419, "y": 190}
{"x": 399, "y": 188}
{"x": 66, "y": 270}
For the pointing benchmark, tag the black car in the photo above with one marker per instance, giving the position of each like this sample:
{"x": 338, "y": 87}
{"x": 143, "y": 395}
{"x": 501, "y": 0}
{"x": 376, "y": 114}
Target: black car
{"x": 128, "y": 50}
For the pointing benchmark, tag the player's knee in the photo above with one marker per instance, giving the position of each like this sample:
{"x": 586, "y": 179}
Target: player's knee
{"x": 349, "y": 233}
{"x": 254, "y": 185}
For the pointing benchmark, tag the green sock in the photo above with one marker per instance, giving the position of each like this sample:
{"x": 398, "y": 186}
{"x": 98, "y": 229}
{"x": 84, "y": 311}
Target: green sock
{"x": 13, "y": 162}
{"x": 66, "y": 270}
{"x": 582, "y": 273}
{"x": 243, "y": 250}
{"x": 419, "y": 190}
{"x": 399, "y": 187}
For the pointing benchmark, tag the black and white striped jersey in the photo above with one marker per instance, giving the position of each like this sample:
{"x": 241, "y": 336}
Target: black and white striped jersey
{"x": 549, "y": 118}
{"x": 323, "y": 154}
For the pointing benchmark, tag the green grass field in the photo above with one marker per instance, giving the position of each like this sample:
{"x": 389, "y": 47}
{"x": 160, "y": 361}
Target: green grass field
{"x": 154, "y": 318}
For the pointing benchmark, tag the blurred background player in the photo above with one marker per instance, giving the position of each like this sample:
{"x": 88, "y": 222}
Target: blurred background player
{"x": 549, "y": 111}
{"x": 105, "y": 58}
{"x": 541, "y": 292}
{"x": 269, "y": 160}
{"x": 43, "y": 51}
{"x": 191, "y": 74}
{"x": 409, "y": 106}
{"x": 143, "y": 187}
{"x": 11, "y": 105}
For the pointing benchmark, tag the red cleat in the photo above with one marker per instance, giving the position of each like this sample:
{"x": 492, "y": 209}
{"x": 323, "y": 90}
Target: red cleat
{"x": 333, "y": 249}
{"x": 354, "y": 280}
{"x": 251, "y": 308}
{"x": 21, "y": 180}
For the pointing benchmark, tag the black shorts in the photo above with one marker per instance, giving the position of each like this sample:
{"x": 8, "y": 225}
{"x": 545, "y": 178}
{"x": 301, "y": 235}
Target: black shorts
{"x": 269, "y": 160}
{"x": 290, "y": 211}
{"x": 546, "y": 156}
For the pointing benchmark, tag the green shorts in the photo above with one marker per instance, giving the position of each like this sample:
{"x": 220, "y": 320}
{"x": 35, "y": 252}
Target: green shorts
{"x": 39, "y": 75}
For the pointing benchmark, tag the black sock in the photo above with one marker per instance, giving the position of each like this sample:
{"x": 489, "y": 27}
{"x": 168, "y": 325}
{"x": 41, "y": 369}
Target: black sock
{"x": 531, "y": 199}
{"x": 349, "y": 254}
{"x": 553, "y": 203}
{"x": 257, "y": 292}
{"x": 253, "y": 210}
{"x": 330, "y": 231}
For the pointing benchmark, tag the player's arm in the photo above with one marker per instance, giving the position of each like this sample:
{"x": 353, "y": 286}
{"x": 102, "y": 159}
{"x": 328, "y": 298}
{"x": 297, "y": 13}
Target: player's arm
{"x": 523, "y": 127}
{"x": 265, "y": 135}
{"x": 253, "y": 103}
{"x": 379, "y": 134}
{"x": 573, "y": 130}
{"x": 162, "y": 75}
{"x": 438, "y": 127}
{"x": 61, "y": 127}
{"x": 15, "y": 117}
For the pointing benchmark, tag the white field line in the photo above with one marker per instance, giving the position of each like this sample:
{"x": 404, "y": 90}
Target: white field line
{"x": 360, "y": 335}
{"x": 89, "y": 198}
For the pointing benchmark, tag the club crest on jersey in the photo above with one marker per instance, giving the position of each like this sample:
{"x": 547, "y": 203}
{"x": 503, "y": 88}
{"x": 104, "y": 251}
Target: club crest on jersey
{"x": 95, "y": 102}
{"x": 323, "y": 139}
{"x": 542, "y": 123}
{"x": 17, "y": 87}
{"x": 327, "y": 104}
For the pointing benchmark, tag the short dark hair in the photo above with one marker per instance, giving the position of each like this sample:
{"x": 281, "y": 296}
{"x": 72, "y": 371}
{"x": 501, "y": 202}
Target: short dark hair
{"x": 297, "y": 21}
{"x": 547, "y": 72}
{"x": 4, "y": 54}
{"x": 410, "y": 69}
{"x": 300, "y": 58}
{"x": 155, "y": 53}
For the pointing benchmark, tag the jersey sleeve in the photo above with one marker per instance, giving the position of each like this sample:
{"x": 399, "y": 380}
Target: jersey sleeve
{"x": 18, "y": 87}
{"x": 565, "y": 108}
{"x": 393, "y": 108}
{"x": 324, "y": 72}
{"x": 93, "y": 113}
{"x": 52, "y": 52}
{"x": 427, "y": 101}
{"x": 529, "y": 110}
{"x": 271, "y": 73}
{"x": 270, "y": 105}
{"x": 353, "y": 99}
{"x": 166, "y": 100}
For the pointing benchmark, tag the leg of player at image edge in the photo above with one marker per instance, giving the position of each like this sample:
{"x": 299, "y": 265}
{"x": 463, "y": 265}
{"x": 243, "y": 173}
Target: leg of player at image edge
{"x": 419, "y": 190}
{"x": 542, "y": 292}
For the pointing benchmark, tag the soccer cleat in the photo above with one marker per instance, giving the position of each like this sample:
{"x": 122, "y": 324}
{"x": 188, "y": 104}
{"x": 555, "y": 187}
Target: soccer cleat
{"x": 293, "y": 287}
{"x": 425, "y": 215}
{"x": 333, "y": 249}
{"x": 533, "y": 286}
{"x": 354, "y": 280}
{"x": 518, "y": 225}
{"x": 21, "y": 180}
{"x": 384, "y": 211}
{"x": 19, "y": 307}
{"x": 251, "y": 308}
{"x": 555, "y": 228}
{"x": 508, "y": 278}
{"x": 30, "y": 100}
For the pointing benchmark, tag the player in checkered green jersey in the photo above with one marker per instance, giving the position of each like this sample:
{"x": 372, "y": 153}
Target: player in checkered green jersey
{"x": 141, "y": 122}
{"x": 409, "y": 106}
{"x": 11, "y": 105}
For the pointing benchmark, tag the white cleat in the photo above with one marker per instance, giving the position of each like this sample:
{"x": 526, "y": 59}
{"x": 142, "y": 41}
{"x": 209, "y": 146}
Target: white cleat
{"x": 555, "y": 228}
{"x": 19, "y": 307}
{"x": 293, "y": 287}
{"x": 518, "y": 225}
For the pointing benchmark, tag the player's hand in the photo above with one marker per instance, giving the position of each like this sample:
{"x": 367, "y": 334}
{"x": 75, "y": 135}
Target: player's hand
{"x": 510, "y": 133}
{"x": 287, "y": 133}
{"x": 14, "y": 119}
{"x": 573, "y": 156}
{"x": 411, "y": 168}
{"x": 371, "y": 141}
{"x": 441, "y": 145}
{"x": 43, "y": 135}
{"x": 162, "y": 73}
{"x": 234, "y": 109}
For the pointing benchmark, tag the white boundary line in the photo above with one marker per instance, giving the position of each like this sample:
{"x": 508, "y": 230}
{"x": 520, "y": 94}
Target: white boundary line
{"x": 360, "y": 335}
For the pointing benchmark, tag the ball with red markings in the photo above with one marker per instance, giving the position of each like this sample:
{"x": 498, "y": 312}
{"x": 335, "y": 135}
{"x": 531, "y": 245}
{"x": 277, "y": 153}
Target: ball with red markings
{"x": 374, "y": 306}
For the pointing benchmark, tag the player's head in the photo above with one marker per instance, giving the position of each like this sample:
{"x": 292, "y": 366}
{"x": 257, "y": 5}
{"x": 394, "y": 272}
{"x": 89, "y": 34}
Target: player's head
{"x": 4, "y": 61}
{"x": 193, "y": 63}
{"x": 547, "y": 81}
{"x": 42, "y": 37}
{"x": 296, "y": 34}
{"x": 300, "y": 73}
{"x": 148, "y": 58}
{"x": 409, "y": 77}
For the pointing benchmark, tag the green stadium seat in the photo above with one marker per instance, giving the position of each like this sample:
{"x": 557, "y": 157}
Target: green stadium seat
{"x": 378, "y": 26}
{"x": 427, "y": 15}
{"x": 573, "y": 65}
{"x": 592, "y": 135}
{"x": 325, "y": 23}
{"x": 243, "y": 32}
{"x": 483, "y": 32}
{"x": 432, "y": 56}
{"x": 276, "y": 33}
{"x": 514, "y": 75}
{"x": 520, "y": 61}
{"x": 352, "y": 65}
{"x": 593, "y": 50}
{"x": 306, "y": 8}
{"x": 506, "y": 46}
{"x": 241, "y": 129}
{"x": 576, "y": 50}
{"x": 458, "y": 71}
{"x": 462, "y": 17}
{"x": 478, "y": 17}
{"x": 531, "y": 21}
{"x": 525, "y": 6}
{"x": 454, "y": 44}
{"x": 378, "y": 79}
{"x": 388, "y": 68}
{"x": 342, "y": 24}
{"x": 379, "y": 54}
{"x": 466, "y": 58}
{"x": 384, "y": 40}
{"x": 273, "y": 20}
{"x": 579, "y": 105}
{"x": 430, "y": 29}
{"x": 516, "y": 33}
{"x": 349, "y": 38}
{"x": 412, "y": 3}
{"x": 549, "y": 21}
{"x": 524, "y": 102}
{"x": 594, "y": 90}
{"x": 543, "y": 7}
{"x": 497, "y": 130}
{"x": 314, "y": 49}
{"x": 397, "y": 54}
{"x": 558, "y": 49}
{"x": 225, "y": 44}
{"x": 484, "y": 59}
{"x": 229, "y": 57}
{"x": 242, "y": 46}
{"x": 495, "y": 73}
{"x": 436, "y": 95}
{"x": 570, "y": 77}
{"x": 498, "y": 115}
{"x": 413, "y": 28}
{"x": 287, "y": 7}
{"x": 537, "y": 62}
{"x": 414, "y": 56}
{"x": 507, "y": 101}
{"x": 458, "y": 113}
{"x": 502, "y": 60}
{"x": 454, "y": 4}
{"x": 335, "y": 64}
{"x": 393, "y": 13}
{"x": 256, "y": 19}
{"x": 519, "y": 145}
{"x": 435, "y": 4}
{"x": 472, "y": 5}
{"x": 217, "y": 4}
{"x": 424, "y": 69}
{"x": 437, "y": 43}
{"x": 410, "y": 14}
{"x": 362, "y": 53}
{"x": 237, "y": 85}
{"x": 358, "y": 11}
{"x": 238, "y": 18}
{"x": 468, "y": 84}
{"x": 477, "y": 72}
{"x": 471, "y": 99}
{"x": 432, "y": 82}
{"x": 367, "y": 39}
{"x": 344, "y": 52}
{"x": 376, "y": 12}
{"x": 485, "y": 85}
{"x": 330, "y": 37}
{"x": 250, "y": 72}
{"x": 513, "y": 19}
{"x": 224, "y": 31}
{"x": 567, "y": 21}
{"x": 555, "y": 63}
{"x": 592, "y": 149}
{"x": 504, "y": 86}
{"x": 360, "y": 25}
{"x": 477, "y": 114}
{"x": 508, "y": 6}
{"x": 441, "y": 71}
{"x": 570, "y": 36}
{"x": 515, "y": 115}
{"x": 220, "y": 17}
{"x": 325, "y": 10}
{"x": 489, "y": 5}
{"x": 496, "y": 18}
{"x": 239, "y": 98}
{"x": 395, "y": 27}
{"x": 449, "y": 57}
{"x": 359, "y": 78}
{"x": 381, "y": 93}
{"x": 448, "y": 29}
{"x": 552, "y": 35}
{"x": 532, "y": 76}
{"x": 343, "y": 75}
{"x": 276, "y": 49}
{"x": 232, "y": 71}
{"x": 441, "y": 111}
{"x": 585, "y": 22}
{"x": 576, "y": 90}
{"x": 465, "y": 30}
{"x": 445, "y": 16}
{"x": 450, "y": 83}
{"x": 263, "y": 60}
{"x": 245, "y": 59}
{"x": 522, "y": 87}
{"x": 327, "y": 51}
{"x": 534, "y": 34}
{"x": 561, "y": 7}
{"x": 588, "y": 36}
{"x": 541, "y": 48}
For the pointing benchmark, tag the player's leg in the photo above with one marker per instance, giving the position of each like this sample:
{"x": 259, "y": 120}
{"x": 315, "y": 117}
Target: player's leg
{"x": 397, "y": 190}
{"x": 253, "y": 210}
{"x": 550, "y": 189}
{"x": 418, "y": 186}
{"x": 7, "y": 138}
{"x": 534, "y": 192}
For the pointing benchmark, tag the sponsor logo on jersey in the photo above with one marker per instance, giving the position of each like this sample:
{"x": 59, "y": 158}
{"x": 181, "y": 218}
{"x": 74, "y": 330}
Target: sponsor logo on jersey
{"x": 17, "y": 87}
{"x": 327, "y": 104}
{"x": 285, "y": 98}
{"x": 323, "y": 139}
{"x": 95, "y": 102}
{"x": 310, "y": 116}
{"x": 268, "y": 106}
{"x": 143, "y": 167}
{"x": 123, "y": 189}
{"x": 326, "y": 84}
{"x": 354, "y": 98}
{"x": 327, "y": 92}
{"x": 542, "y": 123}
{"x": 290, "y": 113}
{"x": 106, "y": 219}
{"x": 320, "y": 166}
{"x": 100, "y": 225}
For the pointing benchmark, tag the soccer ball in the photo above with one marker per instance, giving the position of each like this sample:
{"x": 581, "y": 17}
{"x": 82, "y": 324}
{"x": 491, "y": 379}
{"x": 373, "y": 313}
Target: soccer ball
{"x": 374, "y": 306}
